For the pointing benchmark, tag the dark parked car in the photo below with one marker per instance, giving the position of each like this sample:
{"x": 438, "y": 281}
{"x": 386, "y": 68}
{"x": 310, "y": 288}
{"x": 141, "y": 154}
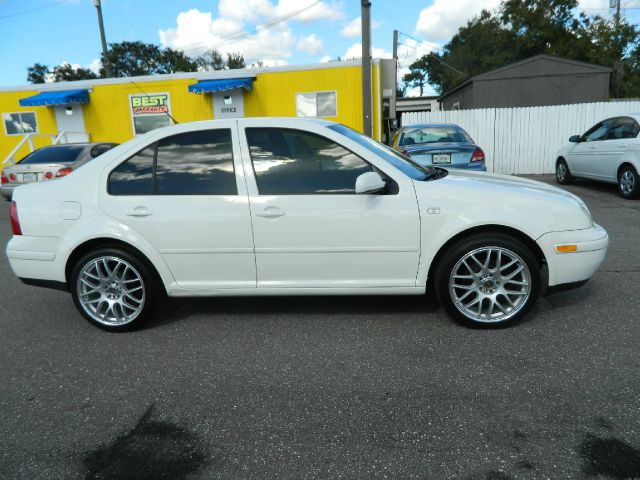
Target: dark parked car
{"x": 439, "y": 144}
{"x": 49, "y": 162}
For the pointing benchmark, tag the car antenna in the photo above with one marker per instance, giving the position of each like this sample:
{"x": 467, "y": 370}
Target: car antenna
{"x": 166, "y": 113}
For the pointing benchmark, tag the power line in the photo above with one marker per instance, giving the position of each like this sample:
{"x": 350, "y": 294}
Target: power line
{"x": 24, "y": 12}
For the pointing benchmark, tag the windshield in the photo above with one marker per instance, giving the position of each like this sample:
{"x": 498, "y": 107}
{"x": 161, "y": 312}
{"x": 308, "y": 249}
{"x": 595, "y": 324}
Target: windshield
{"x": 402, "y": 163}
{"x": 61, "y": 154}
{"x": 441, "y": 134}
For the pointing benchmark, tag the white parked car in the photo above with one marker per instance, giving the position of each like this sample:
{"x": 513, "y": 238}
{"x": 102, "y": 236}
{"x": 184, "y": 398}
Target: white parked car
{"x": 609, "y": 152}
{"x": 285, "y": 206}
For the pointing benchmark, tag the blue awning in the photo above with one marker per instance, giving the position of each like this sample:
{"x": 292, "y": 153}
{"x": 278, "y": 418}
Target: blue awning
{"x": 210, "y": 86}
{"x": 64, "y": 97}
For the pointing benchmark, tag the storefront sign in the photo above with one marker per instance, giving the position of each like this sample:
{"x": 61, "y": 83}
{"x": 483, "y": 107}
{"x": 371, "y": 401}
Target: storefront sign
{"x": 150, "y": 104}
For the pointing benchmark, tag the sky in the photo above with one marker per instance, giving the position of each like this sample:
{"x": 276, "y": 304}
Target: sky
{"x": 275, "y": 32}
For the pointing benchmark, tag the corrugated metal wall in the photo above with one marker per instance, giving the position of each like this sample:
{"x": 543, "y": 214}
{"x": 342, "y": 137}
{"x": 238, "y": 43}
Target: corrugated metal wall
{"x": 524, "y": 140}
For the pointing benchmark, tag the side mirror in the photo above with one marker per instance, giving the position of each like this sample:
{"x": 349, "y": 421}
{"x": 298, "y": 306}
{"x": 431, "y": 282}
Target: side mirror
{"x": 370, "y": 182}
{"x": 574, "y": 138}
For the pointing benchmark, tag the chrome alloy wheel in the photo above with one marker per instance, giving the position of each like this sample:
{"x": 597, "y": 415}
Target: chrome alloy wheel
{"x": 490, "y": 284}
{"x": 561, "y": 172}
{"x": 627, "y": 182}
{"x": 111, "y": 291}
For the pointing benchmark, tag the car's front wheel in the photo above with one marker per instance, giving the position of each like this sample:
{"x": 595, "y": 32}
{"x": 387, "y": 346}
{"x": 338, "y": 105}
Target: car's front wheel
{"x": 112, "y": 289}
{"x": 629, "y": 183}
{"x": 563, "y": 175}
{"x": 488, "y": 280}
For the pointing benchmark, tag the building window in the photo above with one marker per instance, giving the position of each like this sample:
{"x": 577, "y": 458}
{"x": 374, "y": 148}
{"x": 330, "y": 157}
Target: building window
{"x": 20, "y": 123}
{"x": 149, "y": 112}
{"x": 316, "y": 104}
{"x": 456, "y": 106}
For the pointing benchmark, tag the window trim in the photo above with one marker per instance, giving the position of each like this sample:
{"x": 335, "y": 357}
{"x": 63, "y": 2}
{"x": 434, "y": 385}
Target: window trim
{"x": 132, "y": 115}
{"x": 154, "y": 164}
{"x": 335, "y": 92}
{"x": 35, "y": 115}
{"x": 392, "y": 186}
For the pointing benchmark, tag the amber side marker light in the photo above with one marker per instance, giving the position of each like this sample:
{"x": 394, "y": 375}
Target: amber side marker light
{"x": 566, "y": 248}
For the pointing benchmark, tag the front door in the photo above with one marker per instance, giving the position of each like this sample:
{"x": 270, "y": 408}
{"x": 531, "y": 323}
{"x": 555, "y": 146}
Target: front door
{"x": 181, "y": 194}
{"x": 585, "y": 156}
{"x": 70, "y": 119}
{"x": 310, "y": 228}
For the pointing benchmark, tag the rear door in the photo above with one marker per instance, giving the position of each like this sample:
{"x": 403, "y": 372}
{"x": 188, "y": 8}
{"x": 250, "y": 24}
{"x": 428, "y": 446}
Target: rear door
{"x": 182, "y": 194}
{"x": 621, "y": 142}
{"x": 310, "y": 228}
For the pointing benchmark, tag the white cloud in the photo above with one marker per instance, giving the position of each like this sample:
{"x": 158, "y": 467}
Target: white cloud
{"x": 441, "y": 20}
{"x": 353, "y": 28}
{"x": 355, "y": 51}
{"x": 326, "y": 58}
{"x": 196, "y": 31}
{"x": 311, "y": 44}
{"x": 94, "y": 66}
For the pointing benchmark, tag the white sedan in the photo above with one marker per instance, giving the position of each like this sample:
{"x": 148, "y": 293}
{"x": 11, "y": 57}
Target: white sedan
{"x": 285, "y": 206}
{"x": 609, "y": 152}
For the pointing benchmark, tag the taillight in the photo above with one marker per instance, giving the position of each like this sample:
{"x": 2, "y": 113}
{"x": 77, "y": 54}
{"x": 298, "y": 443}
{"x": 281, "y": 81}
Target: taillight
{"x": 3, "y": 178}
{"x": 478, "y": 155}
{"x": 15, "y": 222}
{"x": 64, "y": 171}
{"x": 48, "y": 175}
{"x": 12, "y": 177}
{"x": 405, "y": 152}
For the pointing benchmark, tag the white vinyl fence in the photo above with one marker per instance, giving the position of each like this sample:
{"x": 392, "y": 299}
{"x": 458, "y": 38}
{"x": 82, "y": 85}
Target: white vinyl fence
{"x": 524, "y": 140}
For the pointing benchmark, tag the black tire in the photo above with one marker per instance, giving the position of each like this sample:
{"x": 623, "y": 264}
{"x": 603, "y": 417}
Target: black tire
{"x": 137, "y": 269}
{"x": 629, "y": 183}
{"x": 563, "y": 174}
{"x": 481, "y": 283}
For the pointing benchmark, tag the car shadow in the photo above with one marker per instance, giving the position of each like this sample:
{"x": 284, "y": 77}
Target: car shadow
{"x": 176, "y": 309}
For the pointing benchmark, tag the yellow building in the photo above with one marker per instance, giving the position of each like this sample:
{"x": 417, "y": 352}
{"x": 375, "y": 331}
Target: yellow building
{"x": 117, "y": 109}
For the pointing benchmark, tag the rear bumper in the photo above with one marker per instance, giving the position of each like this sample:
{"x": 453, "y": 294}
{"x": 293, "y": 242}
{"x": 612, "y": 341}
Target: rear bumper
{"x": 578, "y": 266}
{"x": 36, "y": 258}
{"x": 7, "y": 191}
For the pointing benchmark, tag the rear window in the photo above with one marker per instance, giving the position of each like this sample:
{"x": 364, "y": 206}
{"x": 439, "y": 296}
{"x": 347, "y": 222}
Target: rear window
{"x": 444, "y": 134}
{"x": 62, "y": 154}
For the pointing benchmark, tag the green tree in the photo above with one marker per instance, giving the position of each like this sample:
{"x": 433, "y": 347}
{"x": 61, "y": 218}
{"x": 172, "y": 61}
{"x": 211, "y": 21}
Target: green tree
{"x": 235, "y": 61}
{"x": 130, "y": 59}
{"x": 66, "y": 72}
{"x": 211, "y": 60}
{"x": 37, "y": 73}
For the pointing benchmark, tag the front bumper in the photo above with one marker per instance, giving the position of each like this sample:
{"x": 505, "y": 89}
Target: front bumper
{"x": 579, "y": 265}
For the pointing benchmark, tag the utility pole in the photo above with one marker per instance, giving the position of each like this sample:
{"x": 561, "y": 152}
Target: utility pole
{"x": 105, "y": 51}
{"x": 618, "y": 65}
{"x": 366, "y": 67}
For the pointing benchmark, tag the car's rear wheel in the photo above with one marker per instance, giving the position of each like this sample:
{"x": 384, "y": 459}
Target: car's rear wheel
{"x": 112, "y": 289}
{"x": 563, "y": 174}
{"x": 488, "y": 280}
{"x": 629, "y": 183}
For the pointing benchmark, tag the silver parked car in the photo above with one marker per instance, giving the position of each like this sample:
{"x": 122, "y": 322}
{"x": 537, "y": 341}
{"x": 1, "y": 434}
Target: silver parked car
{"x": 608, "y": 152}
{"x": 49, "y": 162}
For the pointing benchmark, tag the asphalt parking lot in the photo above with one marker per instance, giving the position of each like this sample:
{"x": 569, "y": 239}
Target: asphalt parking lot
{"x": 385, "y": 387}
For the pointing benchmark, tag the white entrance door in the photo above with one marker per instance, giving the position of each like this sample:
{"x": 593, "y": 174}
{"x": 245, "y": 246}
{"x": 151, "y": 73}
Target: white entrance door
{"x": 228, "y": 104}
{"x": 70, "y": 119}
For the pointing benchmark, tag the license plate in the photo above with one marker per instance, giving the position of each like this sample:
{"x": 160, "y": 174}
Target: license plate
{"x": 441, "y": 158}
{"x": 29, "y": 177}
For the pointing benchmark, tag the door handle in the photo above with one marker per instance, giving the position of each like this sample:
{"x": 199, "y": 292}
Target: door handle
{"x": 622, "y": 145}
{"x": 140, "y": 212}
{"x": 270, "y": 212}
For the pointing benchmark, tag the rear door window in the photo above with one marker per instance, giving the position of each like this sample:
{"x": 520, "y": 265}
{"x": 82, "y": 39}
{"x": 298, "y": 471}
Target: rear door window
{"x": 135, "y": 175}
{"x": 624, "y": 127}
{"x": 196, "y": 163}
